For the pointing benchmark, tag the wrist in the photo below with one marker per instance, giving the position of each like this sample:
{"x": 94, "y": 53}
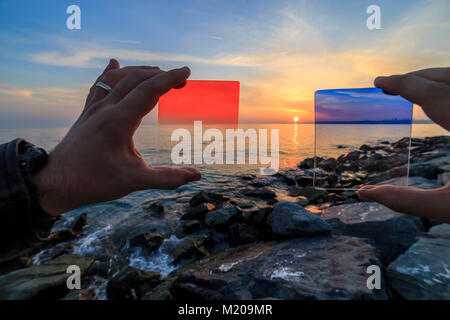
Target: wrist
{"x": 45, "y": 185}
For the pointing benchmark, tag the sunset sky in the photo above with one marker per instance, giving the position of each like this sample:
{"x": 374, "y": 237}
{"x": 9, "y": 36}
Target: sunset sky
{"x": 280, "y": 51}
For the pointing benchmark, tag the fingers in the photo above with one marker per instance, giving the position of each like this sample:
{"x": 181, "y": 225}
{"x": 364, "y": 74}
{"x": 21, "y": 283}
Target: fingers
{"x": 434, "y": 74}
{"x": 113, "y": 77}
{"x": 170, "y": 178}
{"x": 433, "y": 203}
{"x": 144, "y": 97}
{"x": 416, "y": 89}
{"x": 131, "y": 81}
{"x": 113, "y": 64}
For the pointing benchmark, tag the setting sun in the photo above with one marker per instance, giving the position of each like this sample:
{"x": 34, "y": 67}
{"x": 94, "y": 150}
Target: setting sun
{"x": 295, "y": 119}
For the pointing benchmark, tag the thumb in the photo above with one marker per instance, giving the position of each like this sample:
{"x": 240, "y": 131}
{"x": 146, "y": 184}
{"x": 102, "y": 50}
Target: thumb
{"x": 433, "y": 203}
{"x": 170, "y": 178}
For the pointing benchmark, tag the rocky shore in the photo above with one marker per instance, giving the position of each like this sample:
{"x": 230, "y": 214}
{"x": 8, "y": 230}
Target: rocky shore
{"x": 267, "y": 237}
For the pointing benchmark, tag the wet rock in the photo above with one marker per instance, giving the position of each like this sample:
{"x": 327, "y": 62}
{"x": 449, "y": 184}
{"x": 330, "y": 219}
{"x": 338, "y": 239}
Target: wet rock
{"x": 241, "y": 233}
{"x": 156, "y": 209}
{"x": 365, "y": 148}
{"x": 303, "y": 201}
{"x": 418, "y": 182}
{"x": 391, "y": 232}
{"x": 329, "y": 164}
{"x": 199, "y": 211}
{"x": 388, "y": 174}
{"x": 61, "y": 236}
{"x": 256, "y": 217}
{"x": 149, "y": 242}
{"x": 423, "y": 272}
{"x": 131, "y": 284}
{"x": 195, "y": 247}
{"x": 242, "y": 203}
{"x": 248, "y": 177}
{"x": 191, "y": 226}
{"x": 46, "y": 281}
{"x": 221, "y": 217}
{"x": 307, "y": 163}
{"x": 288, "y": 219}
{"x": 304, "y": 181}
{"x": 443, "y": 178}
{"x": 79, "y": 223}
{"x": 324, "y": 267}
{"x": 207, "y": 197}
{"x": 265, "y": 194}
{"x": 352, "y": 156}
{"x": 310, "y": 193}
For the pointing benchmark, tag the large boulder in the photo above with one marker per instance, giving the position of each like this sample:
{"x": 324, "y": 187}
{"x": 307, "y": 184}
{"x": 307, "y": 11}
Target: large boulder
{"x": 391, "y": 232}
{"x": 423, "y": 271}
{"x": 288, "y": 219}
{"x": 323, "y": 267}
{"x": 46, "y": 281}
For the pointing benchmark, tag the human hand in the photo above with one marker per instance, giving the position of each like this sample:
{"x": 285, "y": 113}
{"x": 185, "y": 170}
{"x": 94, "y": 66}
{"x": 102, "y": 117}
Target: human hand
{"x": 434, "y": 203}
{"x": 428, "y": 88}
{"x": 97, "y": 160}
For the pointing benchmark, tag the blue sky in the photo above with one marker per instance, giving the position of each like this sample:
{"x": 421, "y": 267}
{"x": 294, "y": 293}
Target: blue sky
{"x": 365, "y": 104}
{"x": 280, "y": 51}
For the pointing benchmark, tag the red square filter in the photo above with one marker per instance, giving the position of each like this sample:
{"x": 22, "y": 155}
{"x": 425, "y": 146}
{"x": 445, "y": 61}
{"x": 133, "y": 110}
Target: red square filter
{"x": 206, "y": 101}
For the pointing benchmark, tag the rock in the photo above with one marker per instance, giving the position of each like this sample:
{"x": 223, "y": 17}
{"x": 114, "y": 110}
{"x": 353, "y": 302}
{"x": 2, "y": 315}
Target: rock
{"x": 265, "y": 194}
{"x": 418, "y": 182}
{"x": 221, "y": 217}
{"x": 149, "y": 242}
{"x": 206, "y": 197}
{"x": 256, "y": 217}
{"x": 156, "y": 209}
{"x": 304, "y": 181}
{"x": 303, "y": 201}
{"x": 199, "y": 211}
{"x": 365, "y": 148}
{"x": 400, "y": 171}
{"x": 391, "y": 232}
{"x": 323, "y": 267}
{"x": 243, "y": 203}
{"x": 307, "y": 164}
{"x": 79, "y": 223}
{"x": 352, "y": 156}
{"x": 312, "y": 194}
{"x": 61, "y": 236}
{"x": 291, "y": 220}
{"x": 131, "y": 284}
{"x": 191, "y": 226}
{"x": 422, "y": 272}
{"x": 329, "y": 164}
{"x": 248, "y": 177}
{"x": 241, "y": 233}
{"x": 45, "y": 281}
{"x": 195, "y": 247}
{"x": 443, "y": 178}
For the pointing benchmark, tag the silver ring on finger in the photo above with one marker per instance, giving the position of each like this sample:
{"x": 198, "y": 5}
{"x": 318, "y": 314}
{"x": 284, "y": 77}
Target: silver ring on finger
{"x": 103, "y": 86}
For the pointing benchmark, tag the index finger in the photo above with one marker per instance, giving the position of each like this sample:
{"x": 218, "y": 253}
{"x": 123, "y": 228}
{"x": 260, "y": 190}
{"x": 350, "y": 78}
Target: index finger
{"x": 143, "y": 98}
{"x": 411, "y": 87}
